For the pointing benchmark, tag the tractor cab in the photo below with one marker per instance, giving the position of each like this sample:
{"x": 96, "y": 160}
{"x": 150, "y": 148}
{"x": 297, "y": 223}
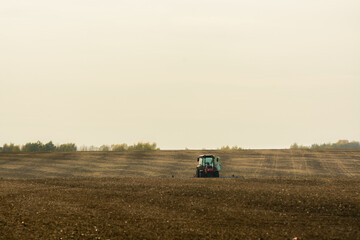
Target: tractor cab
{"x": 208, "y": 166}
{"x": 206, "y": 160}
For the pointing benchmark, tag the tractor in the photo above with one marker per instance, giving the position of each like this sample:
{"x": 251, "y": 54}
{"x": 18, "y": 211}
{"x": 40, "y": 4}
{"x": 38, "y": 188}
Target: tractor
{"x": 208, "y": 166}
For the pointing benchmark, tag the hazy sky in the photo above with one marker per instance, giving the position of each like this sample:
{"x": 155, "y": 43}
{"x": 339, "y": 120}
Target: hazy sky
{"x": 190, "y": 73}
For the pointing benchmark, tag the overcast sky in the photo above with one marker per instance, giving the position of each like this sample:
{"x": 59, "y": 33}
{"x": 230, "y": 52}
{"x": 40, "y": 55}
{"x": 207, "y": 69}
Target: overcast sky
{"x": 190, "y": 73}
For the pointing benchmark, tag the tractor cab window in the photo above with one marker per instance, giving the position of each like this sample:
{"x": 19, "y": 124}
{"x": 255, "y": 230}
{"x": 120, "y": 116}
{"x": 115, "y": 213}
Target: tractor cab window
{"x": 204, "y": 161}
{"x": 208, "y": 161}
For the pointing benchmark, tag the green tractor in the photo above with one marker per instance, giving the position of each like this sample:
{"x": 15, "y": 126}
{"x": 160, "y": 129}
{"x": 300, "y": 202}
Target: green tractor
{"x": 208, "y": 166}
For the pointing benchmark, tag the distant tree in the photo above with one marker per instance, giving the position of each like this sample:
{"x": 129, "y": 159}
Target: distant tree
{"x": 354, "y": 145}
{"x": 10, "y": 148}
{"x": 294, "y": 146}
{"x": 225, "y": 148}
{"x": 83, "y": 148}
{"x": 119, "y": 147}
{"x": 15, "y": 148}
{"x": 33, "y": 147}
{"x": 140, "y": 146}
{"x": 49, "y": 147}
{"x": 68, "y": 147}
{"x": 346, "y": 144}
{"x": 104, "y": 148}
{"x": 341, "y": 144}
{"x": 6, "y": 148}
{"x": 236, "y": 148}
{"x": 154, "y": 146}
{"x": 71, "y": 147}
{"x": 93, "y": 148}
{"x": 315, "y": 146}
{"x": 228, "y": 148}
{"x": 143, "y": 147}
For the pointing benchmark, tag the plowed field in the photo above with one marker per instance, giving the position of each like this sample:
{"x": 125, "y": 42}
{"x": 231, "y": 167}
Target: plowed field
{"x": 246, "y": 163}
{"x": 159, "y": 208}
{"x": 280, "y": 194}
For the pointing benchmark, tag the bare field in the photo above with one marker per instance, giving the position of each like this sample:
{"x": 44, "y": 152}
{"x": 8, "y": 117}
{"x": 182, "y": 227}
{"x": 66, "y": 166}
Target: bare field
{"x": 281, "y": 194}
{"x": 167, "y": 208}
{"x": 246, "y": 163}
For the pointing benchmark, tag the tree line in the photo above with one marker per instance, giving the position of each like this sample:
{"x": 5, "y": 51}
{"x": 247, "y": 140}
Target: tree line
{"x": 228, "y": 148}
{"x": 341, "y": 144}
{"x": 140, "y": 146}
{"x": 71, "y": 147}
{"x": 39, "y": 147}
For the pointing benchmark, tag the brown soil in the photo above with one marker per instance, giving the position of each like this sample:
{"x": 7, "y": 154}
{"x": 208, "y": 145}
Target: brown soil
{"x": 159, "y": 208}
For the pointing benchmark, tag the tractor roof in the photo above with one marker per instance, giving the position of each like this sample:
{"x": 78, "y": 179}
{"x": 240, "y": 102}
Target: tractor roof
{"x": 207, "y": 155}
